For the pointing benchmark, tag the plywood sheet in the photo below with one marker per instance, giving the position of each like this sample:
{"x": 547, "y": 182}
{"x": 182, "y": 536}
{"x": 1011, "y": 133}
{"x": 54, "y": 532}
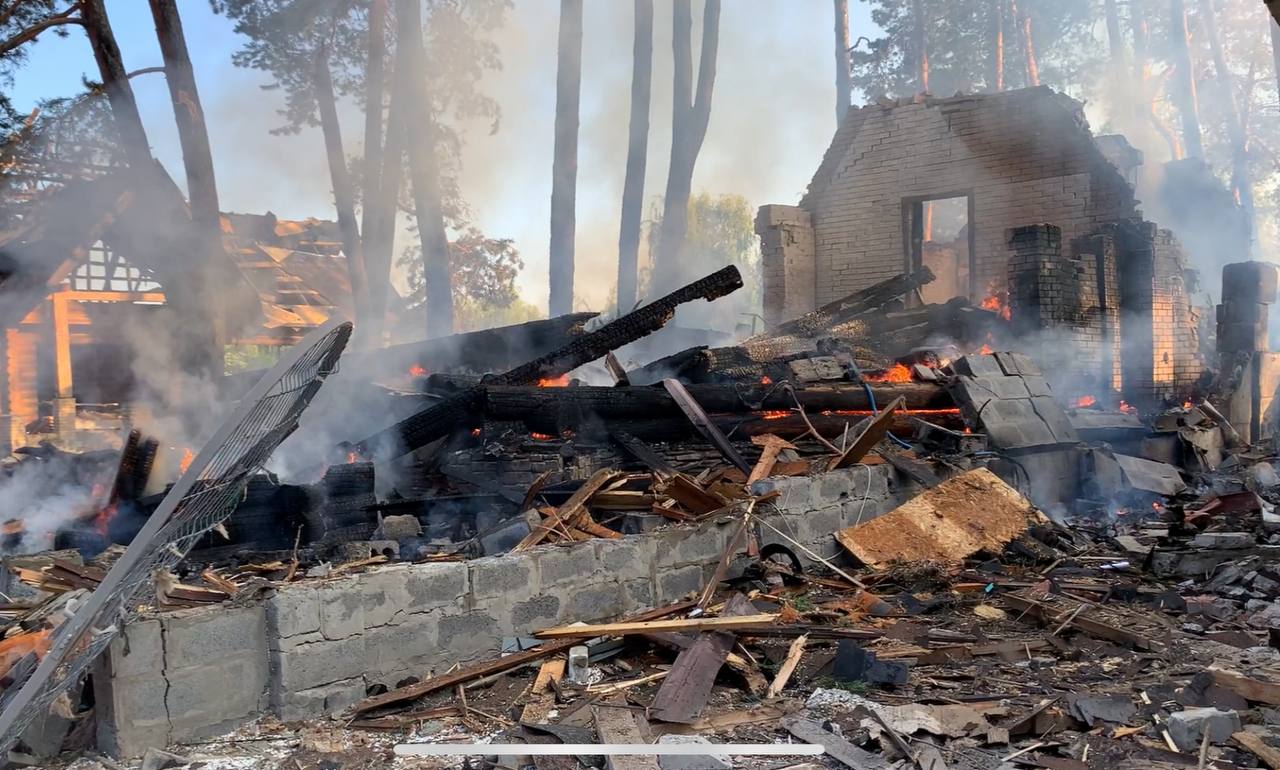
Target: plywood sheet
{"x": 959, "y": 517}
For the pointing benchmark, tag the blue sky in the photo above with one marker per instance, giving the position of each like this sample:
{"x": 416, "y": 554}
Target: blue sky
{"x": 772, "y": 117}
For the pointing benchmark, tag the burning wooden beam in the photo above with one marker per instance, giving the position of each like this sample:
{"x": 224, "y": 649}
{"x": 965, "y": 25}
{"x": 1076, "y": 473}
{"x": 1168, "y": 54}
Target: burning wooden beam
{"x": 440, "y": 420}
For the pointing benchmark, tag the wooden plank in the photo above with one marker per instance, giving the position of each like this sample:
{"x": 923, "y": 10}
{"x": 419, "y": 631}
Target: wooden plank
{"x": 755, "y": 680}
{"x": 1089, "y": 625}
{"x": 1250, "y": 689}
{"x": 771, "y": 446}
{"x": 693, "y": 410}
{"x": 643, "y": 452}
{"x": 572, "y": 508}
{"x": 688, "y": 624}
{"x": 873, "y": 434}
{"x": 1253, "y": 743}
{"x": 622, "y": 725}
{"x": 788, "y": 666}
{"x": 489, "y": 667}
{"x": 836, "y": 747}
{"x": 688, "y": 685}
{"x": 550, "y": 671}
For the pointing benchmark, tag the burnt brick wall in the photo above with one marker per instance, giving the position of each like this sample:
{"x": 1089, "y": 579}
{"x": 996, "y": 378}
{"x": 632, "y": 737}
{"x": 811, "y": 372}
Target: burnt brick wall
{"x": 1024, "y": 156}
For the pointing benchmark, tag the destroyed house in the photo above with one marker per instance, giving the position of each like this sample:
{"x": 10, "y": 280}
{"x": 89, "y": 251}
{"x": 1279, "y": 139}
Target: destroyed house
{"x": 1013, "y": 204}
{"x": 91, "y": 260}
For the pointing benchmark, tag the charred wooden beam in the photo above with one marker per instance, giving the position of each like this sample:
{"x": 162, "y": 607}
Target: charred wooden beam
{"x": 640, "y": 403}
{"x": 442, "y": 419}
{"x": 863, "y": 301}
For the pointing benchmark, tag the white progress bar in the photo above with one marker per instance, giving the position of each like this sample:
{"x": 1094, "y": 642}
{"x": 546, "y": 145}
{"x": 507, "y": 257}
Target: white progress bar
{"x": 609, "y": 749}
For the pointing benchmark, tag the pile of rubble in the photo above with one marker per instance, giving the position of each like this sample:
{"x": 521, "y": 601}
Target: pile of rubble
{"x": 1057, "y": 586}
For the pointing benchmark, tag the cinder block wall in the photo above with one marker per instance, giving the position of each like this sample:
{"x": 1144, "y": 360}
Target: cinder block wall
{"x": 313, "y": 648}
{"x": 1024, "y": 155}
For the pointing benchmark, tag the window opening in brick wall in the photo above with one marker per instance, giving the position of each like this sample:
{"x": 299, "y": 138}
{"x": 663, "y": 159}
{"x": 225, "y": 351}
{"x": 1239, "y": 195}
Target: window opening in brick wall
{"x": 940, "y": 238}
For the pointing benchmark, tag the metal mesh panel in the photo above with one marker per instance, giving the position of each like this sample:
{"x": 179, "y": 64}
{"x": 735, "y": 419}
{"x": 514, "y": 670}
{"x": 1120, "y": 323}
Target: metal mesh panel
{"x": 204, "y": 496}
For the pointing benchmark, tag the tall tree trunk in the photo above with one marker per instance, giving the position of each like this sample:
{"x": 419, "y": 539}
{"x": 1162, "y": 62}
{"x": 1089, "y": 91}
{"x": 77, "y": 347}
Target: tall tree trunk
{"x": 922, "y": 46}
{"x": 688, "y": 128}
{"x": 344, "y": 193}
{"x": 193, "y": 134}
{"x": 1275, "y": 47}
{"x": 564, "y": 163}
{"x": 1028, "y": 45}
{"x": 375, "y": 91}
{"x": 637, "y": 157}
{"x": 997, "y": 45}
{"x": 1274, "y": 7}
{"x": 379, "y": 238}
{"x": 1240, "y": 179}
{"x": 424, "y": 172}
{"x": 1142, "y": 78}
{"x": 1185, "y": 81}
{"x": 1114, "y": 38}
{"x": 115, "y": 81}
{"x": 843, "y": 74}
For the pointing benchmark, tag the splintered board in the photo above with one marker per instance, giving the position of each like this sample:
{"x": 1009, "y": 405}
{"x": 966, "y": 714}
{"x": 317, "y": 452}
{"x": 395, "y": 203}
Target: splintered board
{"x": 959, "y": 517}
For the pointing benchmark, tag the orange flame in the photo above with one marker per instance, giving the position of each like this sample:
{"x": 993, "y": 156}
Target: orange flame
{"x": 185, "y": 462}
{"x": 1128, "y": 408}
{"x": 985, "y": 350}
{"x": 542, "y": 437}
{"x": 417, "y": 370}
{"x": 475, "y": 431}
{"x": 898, "y": 373}
{"x": 998, "y": 302}
{"x": 775, "y": 414}
{"x": 352, "y": 457}
{"x": 1084, "y": 401}
{"x": 766, "y": 380}
{"x": 554, "y": 382}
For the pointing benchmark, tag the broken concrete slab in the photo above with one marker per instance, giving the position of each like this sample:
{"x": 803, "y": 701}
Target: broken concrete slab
{"x": 971, "y": 512}
{"x": 1012, "y": 406}
{"x": 1189, "y": 727}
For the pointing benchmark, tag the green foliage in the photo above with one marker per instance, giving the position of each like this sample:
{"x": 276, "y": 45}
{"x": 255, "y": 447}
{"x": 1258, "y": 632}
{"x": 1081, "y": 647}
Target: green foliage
{"x": 471, "y": 315}
{"x": 960, "y": 43}
{"x": 831, "y": 683}
{"x": 243, "y": 358}
{"x": 484, "y": 270}
{"x": 803, "y": 603}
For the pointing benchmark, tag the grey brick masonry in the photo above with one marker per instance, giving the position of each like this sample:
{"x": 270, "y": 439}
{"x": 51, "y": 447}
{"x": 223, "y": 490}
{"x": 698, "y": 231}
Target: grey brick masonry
{"x": 313, "y": 648}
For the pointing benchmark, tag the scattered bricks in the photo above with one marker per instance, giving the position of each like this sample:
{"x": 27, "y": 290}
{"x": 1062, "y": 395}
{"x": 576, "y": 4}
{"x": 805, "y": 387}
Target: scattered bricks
{"x": 311, "y": 665}
{"x": 201, "y": 636}
{"x": 341, "y": 609}
{"x": 470, "y": 635}
{"x": 565, "y": 564}
{"x": 292, "y": 611}
{"x": 138, "y": 650}
{"x": 535, "y": 613}
{"x": 598, "y": 602}
{"x": 677, "y": 583}
{"x": 1224, "y": 540}
{"x": 499, "y": 575}
{"x": 443, "y": 585}
{"x": 1189, "y": 727}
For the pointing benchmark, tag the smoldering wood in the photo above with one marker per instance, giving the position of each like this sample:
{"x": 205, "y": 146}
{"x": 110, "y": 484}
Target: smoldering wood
{"x": 700, "y": 421}
{"x": 848, "y": 307}
{"x": 442, "y": 419}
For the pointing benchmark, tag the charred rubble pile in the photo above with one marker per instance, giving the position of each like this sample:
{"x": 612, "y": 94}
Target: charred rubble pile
{"x": 1058, "y": 584}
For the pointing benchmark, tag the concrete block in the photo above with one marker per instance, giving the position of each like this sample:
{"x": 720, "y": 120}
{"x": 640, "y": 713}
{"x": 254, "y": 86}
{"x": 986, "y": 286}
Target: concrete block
{"x": 706, "y": 543}
{"x": 627, "y": 558}
{"x": 639, "y": 594}
{"x": 201, "y": 636}
{"x": 690, "y": 762}
{"x": 470, "y": 635}
{"x": 384, "y": 594}
{"x": 535, "y": 613}
{"x": 202, "y": 698}
{"x": 329, "y": 699}
{"x": 138, "y": 649}
{"x": 819, "y": 524}
{"x": 311, "y": 665}
{"x": 410, "y": 646}
{"x": 341, "y": 608}
{"x": 597, "y": 602}
{"x": 499, "y": 575}
{"x": 292, "y": 611}
{"x": 565, "y": 564}
{"x": 676, "y": 583}
{"x": 440, "y": 585}
{"x": 1188, "y": 727}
